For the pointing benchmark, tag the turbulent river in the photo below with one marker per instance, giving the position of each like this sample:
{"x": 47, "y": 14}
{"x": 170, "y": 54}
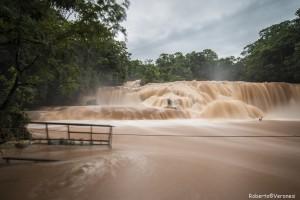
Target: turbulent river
{"x": 183, "y": 100}
{"x": 189, "y": 156}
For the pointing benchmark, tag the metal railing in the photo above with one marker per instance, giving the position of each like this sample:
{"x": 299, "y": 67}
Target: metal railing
{"x": 70, "y": 133}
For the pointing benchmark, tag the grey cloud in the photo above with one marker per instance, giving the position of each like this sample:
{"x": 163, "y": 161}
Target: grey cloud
{"x": 172, "y": 26}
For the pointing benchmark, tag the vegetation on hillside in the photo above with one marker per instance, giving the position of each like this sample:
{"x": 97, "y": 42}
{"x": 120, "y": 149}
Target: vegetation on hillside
{"x": 275, "y": 56}
{"x": 52, "y": 51}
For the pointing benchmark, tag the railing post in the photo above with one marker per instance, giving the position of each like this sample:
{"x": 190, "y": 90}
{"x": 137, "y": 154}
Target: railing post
{"x": 91, "y": 138}
{"x": 30, "y": 135}
{"x": 47, "y": 132}
{"x": 110, "y": 136}
{"x": 69, "y": 136}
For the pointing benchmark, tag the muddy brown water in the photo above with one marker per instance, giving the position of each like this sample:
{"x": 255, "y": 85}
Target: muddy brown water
{"x": 169, "y": 152}
{"x": 164, "y": 167}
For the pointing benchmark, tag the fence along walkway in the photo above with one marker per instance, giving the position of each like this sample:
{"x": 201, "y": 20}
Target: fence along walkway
{"x": 70, "y": 133}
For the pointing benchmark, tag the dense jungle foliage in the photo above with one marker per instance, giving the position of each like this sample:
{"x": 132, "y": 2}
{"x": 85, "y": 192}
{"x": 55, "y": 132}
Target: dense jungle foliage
{"x": 52, "y": 51}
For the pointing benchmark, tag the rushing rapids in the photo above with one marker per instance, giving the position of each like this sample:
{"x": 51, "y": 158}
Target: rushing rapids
{"x": 183, "y": 99}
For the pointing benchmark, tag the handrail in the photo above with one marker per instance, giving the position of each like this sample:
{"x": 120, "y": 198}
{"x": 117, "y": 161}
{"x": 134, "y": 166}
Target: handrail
{"x": 69, "y": 132}
{"x": 72, "y": 124}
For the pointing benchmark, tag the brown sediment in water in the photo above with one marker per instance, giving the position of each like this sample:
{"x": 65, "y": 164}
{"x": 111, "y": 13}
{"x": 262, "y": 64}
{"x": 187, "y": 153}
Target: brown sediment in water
{"x": 192, "y": 99}
{"x": 165, "y": 167}
{"x": 170, "y": 159}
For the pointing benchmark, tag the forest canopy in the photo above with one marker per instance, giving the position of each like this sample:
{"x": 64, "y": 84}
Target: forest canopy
{"x": 50, "y": 51}
{"x": 53, "y": 51}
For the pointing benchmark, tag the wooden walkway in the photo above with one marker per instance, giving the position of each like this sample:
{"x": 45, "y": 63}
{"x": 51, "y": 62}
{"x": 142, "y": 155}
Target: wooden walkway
{"x": 70, "y": 133}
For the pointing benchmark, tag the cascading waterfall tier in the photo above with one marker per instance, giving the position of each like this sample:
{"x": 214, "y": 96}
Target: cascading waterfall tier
{"x": 182, "y": 99}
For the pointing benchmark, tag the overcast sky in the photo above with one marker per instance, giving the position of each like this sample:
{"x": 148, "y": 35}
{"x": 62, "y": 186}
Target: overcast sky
{"x": 226, "y": 26}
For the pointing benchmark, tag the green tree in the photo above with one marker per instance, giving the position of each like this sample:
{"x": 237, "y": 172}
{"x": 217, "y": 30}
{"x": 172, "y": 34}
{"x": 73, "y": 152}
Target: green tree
{"x": 275, "y": 55}
{"x": 202, "y": 64}
{"x": 173, "y": 67}
{"x": 40, "y": 41}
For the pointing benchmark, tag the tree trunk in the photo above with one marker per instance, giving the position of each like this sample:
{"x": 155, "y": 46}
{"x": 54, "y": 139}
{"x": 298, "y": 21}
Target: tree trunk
{"x": 10, "y": 94}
